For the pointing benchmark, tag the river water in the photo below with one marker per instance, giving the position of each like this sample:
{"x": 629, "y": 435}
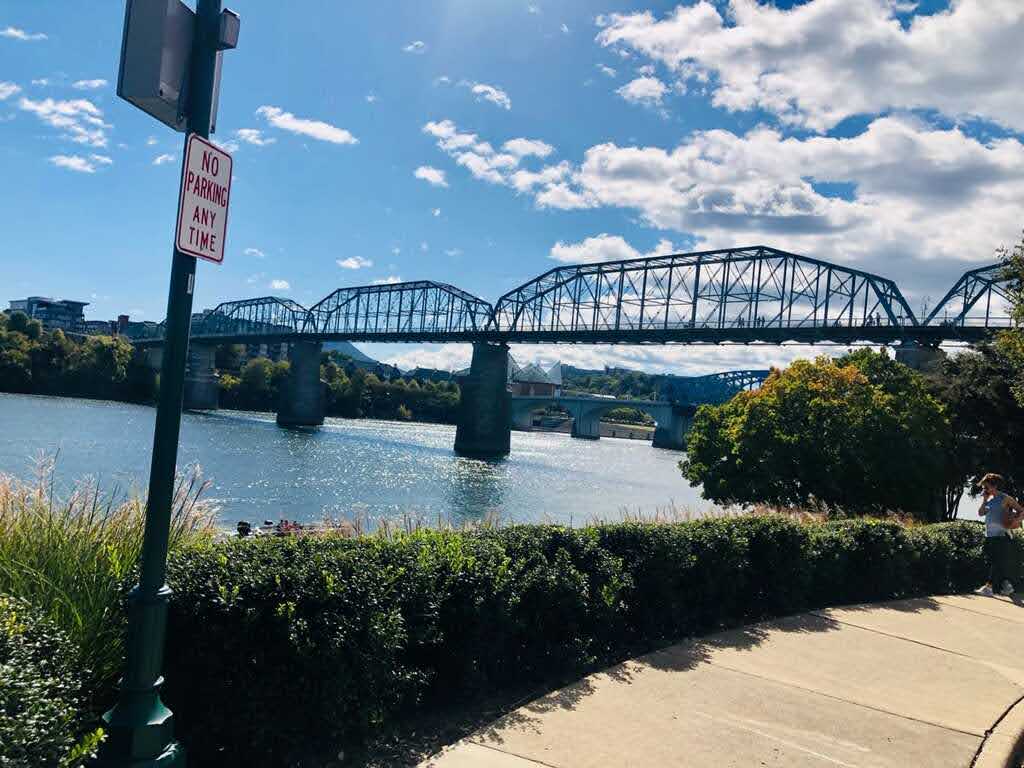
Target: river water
{"x": 348, "y": 468}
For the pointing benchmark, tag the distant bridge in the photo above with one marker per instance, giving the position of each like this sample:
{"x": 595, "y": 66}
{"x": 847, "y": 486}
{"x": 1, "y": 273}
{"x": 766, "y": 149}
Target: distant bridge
{"x": 681, "y": 397}
{"x": 736, "y": 295}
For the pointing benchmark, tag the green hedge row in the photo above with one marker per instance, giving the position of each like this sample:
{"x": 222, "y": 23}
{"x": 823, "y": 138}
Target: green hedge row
{"x": 281, "y": 648}
{"x": 42, "y": 701}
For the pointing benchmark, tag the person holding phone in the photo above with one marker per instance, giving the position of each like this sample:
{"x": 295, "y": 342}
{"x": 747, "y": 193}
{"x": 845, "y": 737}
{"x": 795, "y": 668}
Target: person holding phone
{"x": 1002, "y": 513}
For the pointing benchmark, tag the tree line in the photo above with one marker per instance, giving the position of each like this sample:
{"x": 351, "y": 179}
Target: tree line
{"x": 35, "y": 361}
{"x": 351, "y": 392}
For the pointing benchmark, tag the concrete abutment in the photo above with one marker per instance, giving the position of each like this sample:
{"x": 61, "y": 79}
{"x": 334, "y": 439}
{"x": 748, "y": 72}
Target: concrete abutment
{"x": 202, "y": 387}
{"x": 485, "y": 410}
{"x": 303, "y": 400}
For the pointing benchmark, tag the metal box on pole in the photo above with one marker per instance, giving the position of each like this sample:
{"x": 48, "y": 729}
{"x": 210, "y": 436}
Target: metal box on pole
{"x": 156, "y": 53}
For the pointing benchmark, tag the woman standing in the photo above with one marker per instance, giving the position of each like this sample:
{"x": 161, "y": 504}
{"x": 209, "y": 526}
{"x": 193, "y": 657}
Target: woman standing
{"x": 1001, "y": 512}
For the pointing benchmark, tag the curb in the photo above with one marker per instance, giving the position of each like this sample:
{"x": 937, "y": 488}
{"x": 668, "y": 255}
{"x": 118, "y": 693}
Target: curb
{"x": 1004, "y": 743}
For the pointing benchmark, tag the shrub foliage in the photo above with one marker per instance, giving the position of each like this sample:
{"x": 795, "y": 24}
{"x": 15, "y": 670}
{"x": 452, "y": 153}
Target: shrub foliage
{"x": 41, "y": 690}
{"x": 280, "y": 650}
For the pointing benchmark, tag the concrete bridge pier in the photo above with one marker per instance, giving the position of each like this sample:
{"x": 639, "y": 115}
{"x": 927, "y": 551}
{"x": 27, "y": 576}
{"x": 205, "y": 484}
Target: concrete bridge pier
{"x": 920, "y": 357}
{"x": 586, "y": 426}
{"x": 672, "y": 433}
{"x": 485, "y": 410}
{"x": 202, "y": 389}
{"x": 304, "y": 400}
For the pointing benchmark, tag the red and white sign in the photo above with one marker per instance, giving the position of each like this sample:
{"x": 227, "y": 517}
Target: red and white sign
{"x": 205, "y": 192}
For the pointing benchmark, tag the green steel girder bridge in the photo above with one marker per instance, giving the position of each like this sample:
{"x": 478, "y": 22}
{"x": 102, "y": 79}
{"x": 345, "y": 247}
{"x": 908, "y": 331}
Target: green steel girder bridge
{"x": 735, "y": 295}
{"x": 755, "y": 294}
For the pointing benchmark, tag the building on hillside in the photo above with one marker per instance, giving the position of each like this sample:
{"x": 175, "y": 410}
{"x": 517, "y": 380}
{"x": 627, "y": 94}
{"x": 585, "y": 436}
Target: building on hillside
{"x": 53, "y": 313}
{"x": 535, "y": 380}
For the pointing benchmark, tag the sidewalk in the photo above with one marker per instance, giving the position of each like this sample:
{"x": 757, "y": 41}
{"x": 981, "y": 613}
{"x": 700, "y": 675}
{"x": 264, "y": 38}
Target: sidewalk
{"x": 912, "y": 683}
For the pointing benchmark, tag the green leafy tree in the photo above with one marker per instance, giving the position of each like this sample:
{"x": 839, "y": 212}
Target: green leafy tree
{"x": 987, "y": 422}
{"x": 1011, "y": 342}
{"x": 856, "y": 435}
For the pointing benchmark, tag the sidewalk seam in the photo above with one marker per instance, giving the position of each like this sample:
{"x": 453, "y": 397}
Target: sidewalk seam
{"x": 972, "y": 610}
{"x": 894, "y": 637}
{"x": 846, "y": 701}
{"x": 995, "y": 725}
{"x": 514, "y": 754}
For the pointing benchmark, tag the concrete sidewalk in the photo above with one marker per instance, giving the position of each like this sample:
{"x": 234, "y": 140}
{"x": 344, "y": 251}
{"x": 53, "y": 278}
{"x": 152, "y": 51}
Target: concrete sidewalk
{"x": 912, "y": 683}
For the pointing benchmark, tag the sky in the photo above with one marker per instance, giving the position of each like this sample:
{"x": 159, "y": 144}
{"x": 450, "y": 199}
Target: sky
{"x": 481, "y": 144}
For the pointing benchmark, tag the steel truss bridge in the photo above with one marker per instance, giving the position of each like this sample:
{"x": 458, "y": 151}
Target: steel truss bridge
{"x": 740, "y": 295}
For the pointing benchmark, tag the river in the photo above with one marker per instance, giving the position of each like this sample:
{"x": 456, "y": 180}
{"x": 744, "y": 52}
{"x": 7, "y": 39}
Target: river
{"x": 351, "y": 469}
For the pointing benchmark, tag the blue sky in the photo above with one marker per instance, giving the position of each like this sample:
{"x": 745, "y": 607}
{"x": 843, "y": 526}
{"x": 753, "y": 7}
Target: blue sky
{"x": 483, "y": 143}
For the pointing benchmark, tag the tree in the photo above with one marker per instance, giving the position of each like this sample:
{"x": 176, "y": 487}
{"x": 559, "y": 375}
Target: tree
{"x": 1011, "y": 342}
{"x": 856, "y": 435}
{"x": 987, "y": 423}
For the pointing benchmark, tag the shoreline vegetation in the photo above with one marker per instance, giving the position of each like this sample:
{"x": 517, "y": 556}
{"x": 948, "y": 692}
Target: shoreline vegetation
{"x": 384, "y": 645}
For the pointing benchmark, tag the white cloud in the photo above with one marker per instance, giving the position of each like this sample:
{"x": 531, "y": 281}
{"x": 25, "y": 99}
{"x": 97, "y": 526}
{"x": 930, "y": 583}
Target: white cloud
{"x": 822, "y": 61}
{"x": 252, "y": 279}
{"x": 80, "y": 120}
{"x": 490, "y": 93}
{"x": 907, "y": 193}
{"x": 532, "y": 8}
{"x": 431, "y": 175}
{"x": 565, "y": 29}
{"x": 416, "y": 46}
{"x": 20, "y": 34}
{"x": 605, "y": 247}
{"x": 74, "y": 163}
{"x": 435, "y": 212}
{"x": 370, "y": 98}
{"x": 41, "y": 81}
{"x": 101, "y": 159}
{"x": 8, "y": 89}
{"x": 389, "y": 280}
{"x": 606, "y": 70}
{"x": 396, "y": 250}
{"x": 647, "y": 91}
{"x": 527, "y": 147}
{"x": 254, "y": 136}
{"x": 316, "y": 129}
{"x": 151, "y": 141}
{"x": 279, "y": 285}
{"x": 89, "y": 85}
{"x": 163, "y": 159}
{"x": 354, "y": 262}
{"x": 254, "y": 252}
{"x": 443, "y": 80}
{"x": 453, "y": 252}
{"x": 480, "y": 157}
{"x": 424, "y": 246}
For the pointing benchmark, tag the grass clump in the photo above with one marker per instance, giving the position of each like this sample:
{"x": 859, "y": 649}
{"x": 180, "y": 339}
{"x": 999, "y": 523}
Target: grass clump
{"x": 73, "y": 557}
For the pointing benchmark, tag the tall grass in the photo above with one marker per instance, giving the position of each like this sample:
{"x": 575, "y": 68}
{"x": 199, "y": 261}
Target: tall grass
{"x": 73, "y": 556}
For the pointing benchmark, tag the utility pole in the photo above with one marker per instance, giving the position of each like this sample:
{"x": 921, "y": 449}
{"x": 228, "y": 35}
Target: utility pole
{"x": 140, "y": 729}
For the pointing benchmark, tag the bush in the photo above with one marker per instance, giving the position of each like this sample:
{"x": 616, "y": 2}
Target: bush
{"x": 41, "y": 691}
{"x": 280, "y": 650}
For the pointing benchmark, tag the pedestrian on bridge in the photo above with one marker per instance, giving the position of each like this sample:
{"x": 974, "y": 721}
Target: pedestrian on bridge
{"x": 1002, "y": 513}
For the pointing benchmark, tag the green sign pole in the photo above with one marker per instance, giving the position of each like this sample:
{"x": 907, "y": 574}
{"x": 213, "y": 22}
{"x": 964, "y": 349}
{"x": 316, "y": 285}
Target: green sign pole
{"x": 140, "y": 729}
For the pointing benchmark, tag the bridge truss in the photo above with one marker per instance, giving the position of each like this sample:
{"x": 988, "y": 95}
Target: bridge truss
{"x": 413, "y": 311}
{"x": 713, "y": 388}
{"x": 981, "y": 297}
{"x": 736, "y": 294}
{"x": 742, "y": 295}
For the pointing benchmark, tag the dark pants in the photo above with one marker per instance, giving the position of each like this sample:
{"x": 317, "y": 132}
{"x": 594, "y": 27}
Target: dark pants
{"x": 1002, "y": 560}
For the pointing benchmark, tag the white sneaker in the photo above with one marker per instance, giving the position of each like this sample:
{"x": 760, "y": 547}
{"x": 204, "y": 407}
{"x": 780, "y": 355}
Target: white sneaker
{"x": 986, "y": 591}
{"x": 1007, "y": 589}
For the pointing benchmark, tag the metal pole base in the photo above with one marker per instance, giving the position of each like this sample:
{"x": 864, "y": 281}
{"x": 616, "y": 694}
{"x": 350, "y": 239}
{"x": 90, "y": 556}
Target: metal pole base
{"x": 172, "y": 757}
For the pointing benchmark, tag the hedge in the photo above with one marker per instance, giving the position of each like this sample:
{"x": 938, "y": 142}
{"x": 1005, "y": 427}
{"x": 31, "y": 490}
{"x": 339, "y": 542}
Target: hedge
{"x": 282, "y": 650}
{"x": 41, "y": 692}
